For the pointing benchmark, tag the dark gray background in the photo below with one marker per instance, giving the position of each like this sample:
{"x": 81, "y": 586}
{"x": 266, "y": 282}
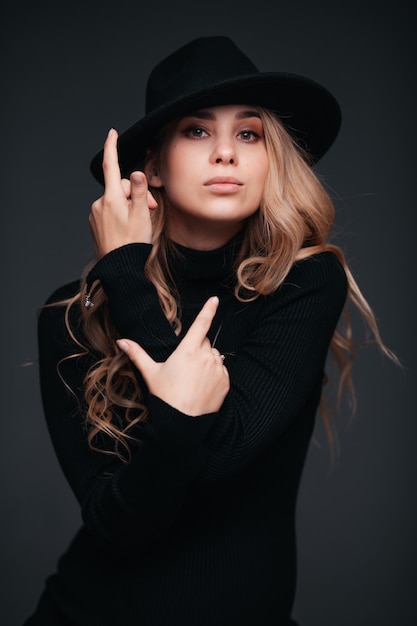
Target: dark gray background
{"x": 69, "y": 72}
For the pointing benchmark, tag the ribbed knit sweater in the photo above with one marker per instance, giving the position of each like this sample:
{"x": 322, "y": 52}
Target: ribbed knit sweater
{"x": 199, "y": 528}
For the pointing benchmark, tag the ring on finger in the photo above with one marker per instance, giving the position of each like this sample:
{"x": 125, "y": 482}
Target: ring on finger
{"x": 217, "y": 353}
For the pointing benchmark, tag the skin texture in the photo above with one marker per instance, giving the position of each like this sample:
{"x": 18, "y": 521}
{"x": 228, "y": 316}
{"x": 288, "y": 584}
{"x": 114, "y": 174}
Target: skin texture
{"x": 212, "y": 166}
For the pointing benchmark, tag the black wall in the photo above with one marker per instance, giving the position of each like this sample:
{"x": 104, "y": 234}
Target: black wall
{"x": 69, "y": 72}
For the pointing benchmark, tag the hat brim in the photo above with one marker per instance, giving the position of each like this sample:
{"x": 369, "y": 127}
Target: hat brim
{"x": 309, "y": 112}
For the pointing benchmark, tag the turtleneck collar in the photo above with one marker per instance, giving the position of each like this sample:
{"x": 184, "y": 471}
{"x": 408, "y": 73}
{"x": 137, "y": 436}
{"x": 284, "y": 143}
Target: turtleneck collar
{"x": 205, "y": 264}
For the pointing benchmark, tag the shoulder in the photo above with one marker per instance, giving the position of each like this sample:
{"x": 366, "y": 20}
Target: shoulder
{"x": 54, "y": 315}
{"x": 315, "y": 286}
{"x": 55, "y": 305}
{"x": 64, "y": 292}
{"x": 323, "y": 265}
{"x": 321, "y": 271}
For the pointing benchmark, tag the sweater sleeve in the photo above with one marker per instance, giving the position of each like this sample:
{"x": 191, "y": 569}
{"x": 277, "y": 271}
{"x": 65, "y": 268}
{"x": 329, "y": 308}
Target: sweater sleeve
{"x": 278, "y": 370}
{"x": 133, "y": 301}
{"x": 126, "y": 507}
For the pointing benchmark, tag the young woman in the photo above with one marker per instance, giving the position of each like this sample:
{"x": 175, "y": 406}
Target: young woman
{"x": 182, "y": 375}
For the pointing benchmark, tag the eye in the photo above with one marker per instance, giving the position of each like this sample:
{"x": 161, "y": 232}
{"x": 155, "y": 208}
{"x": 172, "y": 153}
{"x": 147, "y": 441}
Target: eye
{"x": 249, "y": 135}
{"x": 196, "y": 132}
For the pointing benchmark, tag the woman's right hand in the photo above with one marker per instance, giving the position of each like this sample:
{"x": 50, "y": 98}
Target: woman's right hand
{"x": 193, "y": 379}
{"x": 122, "y": 214}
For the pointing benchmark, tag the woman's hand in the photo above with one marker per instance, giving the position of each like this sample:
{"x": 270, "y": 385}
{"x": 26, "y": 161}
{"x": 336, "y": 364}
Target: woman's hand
{"x": 121, "y": 215}
{"x": 193, "y": 379}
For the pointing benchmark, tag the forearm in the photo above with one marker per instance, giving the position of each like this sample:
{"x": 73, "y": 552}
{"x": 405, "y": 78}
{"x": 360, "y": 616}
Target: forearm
{"x": 136, "y": 506}
{"x": 133, "y": 301}
{"x": 125, "y": 506}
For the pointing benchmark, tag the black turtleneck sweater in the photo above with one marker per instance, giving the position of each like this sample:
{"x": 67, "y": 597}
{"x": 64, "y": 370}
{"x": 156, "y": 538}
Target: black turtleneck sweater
{"x": 199, "y": 528}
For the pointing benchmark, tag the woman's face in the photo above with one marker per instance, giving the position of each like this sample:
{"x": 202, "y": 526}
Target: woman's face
{"x": 212, "y": 166}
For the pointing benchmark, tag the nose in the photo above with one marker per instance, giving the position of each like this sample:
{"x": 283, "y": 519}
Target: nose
{"x": 224, "y": 152}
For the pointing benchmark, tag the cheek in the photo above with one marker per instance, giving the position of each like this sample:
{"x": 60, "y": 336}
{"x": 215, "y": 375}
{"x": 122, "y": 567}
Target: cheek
{"x": 259, "y": 172}
{"x": 181, "y": 173}
{"x": 178, "y": 184}
{"x": 263, "y": 166}
{"x": 173, "y": 166}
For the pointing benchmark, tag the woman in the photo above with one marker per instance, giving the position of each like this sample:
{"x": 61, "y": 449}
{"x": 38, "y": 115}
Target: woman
{"x": 181, "y": 377}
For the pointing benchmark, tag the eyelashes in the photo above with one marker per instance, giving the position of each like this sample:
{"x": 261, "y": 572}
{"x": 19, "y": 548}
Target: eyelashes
{"x": 196, "y": 131}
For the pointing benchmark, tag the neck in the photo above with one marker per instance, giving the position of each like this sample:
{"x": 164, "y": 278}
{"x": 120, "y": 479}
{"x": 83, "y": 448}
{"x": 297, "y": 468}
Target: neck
{"x": 202, "y": 236}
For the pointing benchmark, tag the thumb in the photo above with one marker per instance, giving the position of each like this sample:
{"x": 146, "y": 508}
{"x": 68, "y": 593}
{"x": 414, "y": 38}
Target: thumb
{"x": 139, "y": 189}
{"x": 139, "y": 185}
{"x": 139, "y": 357}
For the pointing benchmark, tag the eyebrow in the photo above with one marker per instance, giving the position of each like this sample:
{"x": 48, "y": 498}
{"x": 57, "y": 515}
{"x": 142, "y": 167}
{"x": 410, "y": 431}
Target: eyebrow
{"x": 208, "y": 115}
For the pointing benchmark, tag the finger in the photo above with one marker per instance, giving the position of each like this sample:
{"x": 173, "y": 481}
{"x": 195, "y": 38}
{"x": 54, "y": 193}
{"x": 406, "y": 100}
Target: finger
{"x": 218, "y": 354}
{"x": 226, "y": 374}
{"x": 93, "y": 231}
{"x": 152, "y": 203}
{"x": 125, "y": 182}
{"x": 199, "y": 328}
{"x": 111, "y": 169}
{"x": 127, "y": 188}
{"x": 139, "y": 357}
{"x": 138, "y": 189}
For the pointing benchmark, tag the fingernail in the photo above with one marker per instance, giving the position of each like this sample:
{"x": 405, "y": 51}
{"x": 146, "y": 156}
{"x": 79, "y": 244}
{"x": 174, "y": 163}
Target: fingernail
{"x": 215, "y": 300}
{"x": 111, "y": 131}
{"x": 123, "y": 345}
{"x": 137, "y": 178}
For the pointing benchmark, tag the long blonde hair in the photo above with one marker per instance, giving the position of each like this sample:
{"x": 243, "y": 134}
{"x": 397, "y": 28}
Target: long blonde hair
{"x": 293, "y": 222}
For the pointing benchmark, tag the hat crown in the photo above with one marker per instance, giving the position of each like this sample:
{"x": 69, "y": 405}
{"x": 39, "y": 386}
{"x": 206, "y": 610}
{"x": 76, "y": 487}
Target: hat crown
{"x": 196, "y": 67}
{"x": 213, "y": 71}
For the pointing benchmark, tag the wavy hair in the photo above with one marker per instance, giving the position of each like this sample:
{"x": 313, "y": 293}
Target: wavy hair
{"x": 293, "y": 222}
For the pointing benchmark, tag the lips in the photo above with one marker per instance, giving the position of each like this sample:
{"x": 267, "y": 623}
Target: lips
{"x": 222, "y": 180}
{"x": 223, "y": 184}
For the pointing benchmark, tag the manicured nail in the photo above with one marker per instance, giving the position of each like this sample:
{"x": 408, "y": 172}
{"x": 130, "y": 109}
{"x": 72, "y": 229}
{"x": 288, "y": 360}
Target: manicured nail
{"x": 123, "y": 345}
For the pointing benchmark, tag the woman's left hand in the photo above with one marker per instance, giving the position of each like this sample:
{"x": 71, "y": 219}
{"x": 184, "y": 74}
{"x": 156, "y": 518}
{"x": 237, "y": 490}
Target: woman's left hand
{"x": 193, "y": 379}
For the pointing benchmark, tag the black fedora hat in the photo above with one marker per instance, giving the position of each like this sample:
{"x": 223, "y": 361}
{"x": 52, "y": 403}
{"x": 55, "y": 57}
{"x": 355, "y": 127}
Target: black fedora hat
{"x": 211, "y": 71}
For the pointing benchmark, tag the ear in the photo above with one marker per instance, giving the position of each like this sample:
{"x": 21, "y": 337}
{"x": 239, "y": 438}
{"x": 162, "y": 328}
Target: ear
{"x": 152, "y": 172}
